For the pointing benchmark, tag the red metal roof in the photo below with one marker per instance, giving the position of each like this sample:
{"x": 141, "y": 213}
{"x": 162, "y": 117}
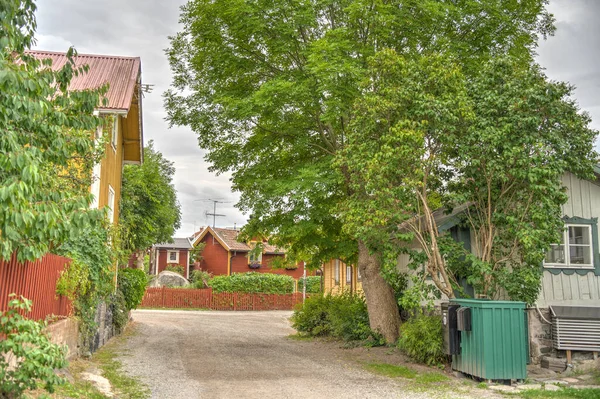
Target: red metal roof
{"x": 121, "y": 73}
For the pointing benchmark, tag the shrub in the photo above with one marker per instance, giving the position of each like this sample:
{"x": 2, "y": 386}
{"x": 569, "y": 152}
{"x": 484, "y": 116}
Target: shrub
{"x": 27, "y": 345}
{"x": 343, "y": 317}
{"x": 253, "y": 282}
{"x": 118, "y": 308}
{"x": 421, "y": 338}
{"x": 175, "y": 269}
{"x": 313, "y": 284}
{"x": 200, "y": 279}
{"x": 132, "y": 283}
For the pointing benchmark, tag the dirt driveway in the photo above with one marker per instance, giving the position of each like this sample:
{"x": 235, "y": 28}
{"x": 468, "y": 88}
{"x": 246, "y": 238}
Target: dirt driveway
{"x": 210, "y": 354}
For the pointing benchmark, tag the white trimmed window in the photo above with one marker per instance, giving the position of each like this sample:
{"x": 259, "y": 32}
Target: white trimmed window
{"x": 574, "y": 250}
{"x": 348, "y": 275}
{"x": 114, "y": 139}
{"x": 111, "y": 204}
{"x": 336, "y": 271}
{"x": 173, "y": 257}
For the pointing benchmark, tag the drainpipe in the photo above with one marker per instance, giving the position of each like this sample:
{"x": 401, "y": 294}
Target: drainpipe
{"x": 230, "y": 262}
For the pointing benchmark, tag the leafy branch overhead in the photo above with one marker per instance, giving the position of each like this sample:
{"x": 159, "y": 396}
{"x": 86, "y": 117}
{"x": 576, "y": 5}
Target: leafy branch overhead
{"x": 47, "y": 147}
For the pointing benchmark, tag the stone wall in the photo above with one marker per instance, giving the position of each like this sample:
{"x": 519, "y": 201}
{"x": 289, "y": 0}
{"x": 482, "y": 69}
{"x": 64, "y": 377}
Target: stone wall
{"x": 105, "y": 329}
{"x": 65, "y": 332}
{"x": 540, "y": 334}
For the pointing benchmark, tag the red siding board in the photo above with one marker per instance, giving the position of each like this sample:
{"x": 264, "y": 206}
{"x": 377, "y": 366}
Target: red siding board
{"x": 214, "y": 256}
{"x": 35, "y": 281}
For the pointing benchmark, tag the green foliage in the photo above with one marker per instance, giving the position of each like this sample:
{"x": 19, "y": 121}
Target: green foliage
{"x": 89, "y": 278}
{"x": 342, "y": 317}
{"x": 120, "y": 311}
{"x": 266, "y": 283}
{"x": 421, "y": 339}
{"x": 150, "y": 212}
{"x": 47, "y": 149}
{"x": 132, "y": 283}
{"x": 200, "y": 279}
{"x": 196, "y": 253}
{"x": 313, "y": 284}
{"x": 175, "y": 269}
{"x": 35, "y": 357}
{"x": 270, "y": 90}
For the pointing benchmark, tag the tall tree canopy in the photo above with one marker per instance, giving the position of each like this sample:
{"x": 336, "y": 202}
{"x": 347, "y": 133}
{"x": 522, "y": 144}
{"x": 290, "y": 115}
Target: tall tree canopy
{"x": 270, "y": 88}
{"x": 150, "y": 212}
{"x": 47, "y": 148}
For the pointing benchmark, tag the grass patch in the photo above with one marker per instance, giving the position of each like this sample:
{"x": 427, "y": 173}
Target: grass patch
{"x": 124, "y": 386}
{"x": 482, "y": 385}
{"x": 300, "y": 337}
{"x": 390, "y": 370}
{"x": 563, "y": 393}
{"x": 431, "y": 378}
{"x": 104, "y": 360}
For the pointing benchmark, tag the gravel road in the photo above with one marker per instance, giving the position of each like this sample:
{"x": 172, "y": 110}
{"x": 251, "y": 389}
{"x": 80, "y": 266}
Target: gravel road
{"x": 211, "y": 354}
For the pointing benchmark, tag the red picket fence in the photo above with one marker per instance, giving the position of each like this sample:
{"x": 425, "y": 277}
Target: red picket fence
{"x": 182, "y": 298}
{"x": 35, "y": 281}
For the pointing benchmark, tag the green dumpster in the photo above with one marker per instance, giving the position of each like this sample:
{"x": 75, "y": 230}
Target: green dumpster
{"x": 495, "y": 348}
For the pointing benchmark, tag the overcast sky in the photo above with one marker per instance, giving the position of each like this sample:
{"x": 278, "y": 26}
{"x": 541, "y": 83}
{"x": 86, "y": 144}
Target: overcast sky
{"x": 141, "y": 28}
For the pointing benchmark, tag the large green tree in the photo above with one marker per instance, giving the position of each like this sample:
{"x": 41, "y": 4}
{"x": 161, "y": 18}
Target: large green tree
{"x": 270, "y": 88}
{"x": 150, "y": 212}
{"x": 47, "y": 149}
{"x": 495, "y": 143}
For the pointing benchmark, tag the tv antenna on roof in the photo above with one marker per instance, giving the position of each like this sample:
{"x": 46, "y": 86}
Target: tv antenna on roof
{"x": 214, "y": 213}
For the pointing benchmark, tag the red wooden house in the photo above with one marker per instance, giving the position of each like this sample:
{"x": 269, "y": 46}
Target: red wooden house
{"x": 224, "y": 254}
{"x": 176, "y": 253}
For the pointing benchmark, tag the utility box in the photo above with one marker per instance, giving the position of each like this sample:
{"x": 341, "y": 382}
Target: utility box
{"x": 493, "y": 340}
{"x": 450, "y": 331}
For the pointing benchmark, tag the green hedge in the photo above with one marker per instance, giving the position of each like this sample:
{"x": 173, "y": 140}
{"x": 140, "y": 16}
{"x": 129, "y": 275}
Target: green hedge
{"x": 253, "y": 282}
{"x": 132, "y": 283}
{"x": 313, "y": 284}
{"x": 339, "y": 316}
{"x": 421, "y": 337}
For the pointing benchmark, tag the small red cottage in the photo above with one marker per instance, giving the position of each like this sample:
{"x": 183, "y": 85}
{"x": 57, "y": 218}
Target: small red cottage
{"x": 171, "y": 254}
{"x": 224, "y": 254}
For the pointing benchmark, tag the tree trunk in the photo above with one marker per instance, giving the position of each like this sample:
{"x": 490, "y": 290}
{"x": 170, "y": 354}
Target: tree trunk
{"x": 139, "y": 260}
{"x": 384, "y": 317}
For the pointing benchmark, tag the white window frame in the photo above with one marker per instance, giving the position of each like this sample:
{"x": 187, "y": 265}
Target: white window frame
{"x": 253, "y": 258}
{"x": 348, "y": 275}
{"x": 567, "y": 264}
{"x": 173, "y": 251}
{"x": 111, "y": 204}
{"x": 336, "y": 272}
{"x": 115, "y": 133}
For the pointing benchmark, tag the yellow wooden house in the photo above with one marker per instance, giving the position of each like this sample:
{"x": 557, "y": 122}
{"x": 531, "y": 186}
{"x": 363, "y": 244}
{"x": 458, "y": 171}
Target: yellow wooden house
{"x": 122, "y": 119}
{"x": 339, "y": 277}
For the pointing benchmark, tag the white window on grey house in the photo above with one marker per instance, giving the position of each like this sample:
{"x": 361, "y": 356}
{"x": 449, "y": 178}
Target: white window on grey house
{"x": 115, "y": 132}
{"x": 348, "y": 275}
{"x": 173, "y": 256}
{"x": 111, "y": 204}
{"x": 574, "y": 250}
{"x": 336, "y": 271}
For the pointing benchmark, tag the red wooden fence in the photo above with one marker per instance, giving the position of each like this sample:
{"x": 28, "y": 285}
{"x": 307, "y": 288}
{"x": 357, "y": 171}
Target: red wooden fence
{"x": 36, "y": 281}
{"x": 182, "y": 298}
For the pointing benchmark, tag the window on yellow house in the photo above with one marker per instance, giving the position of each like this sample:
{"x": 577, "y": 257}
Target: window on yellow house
{"x": 111, "y": 204}
{"x": 115, "y": 133}
{"x": 348, "y": 275}
{"x": 336, "y": 271}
